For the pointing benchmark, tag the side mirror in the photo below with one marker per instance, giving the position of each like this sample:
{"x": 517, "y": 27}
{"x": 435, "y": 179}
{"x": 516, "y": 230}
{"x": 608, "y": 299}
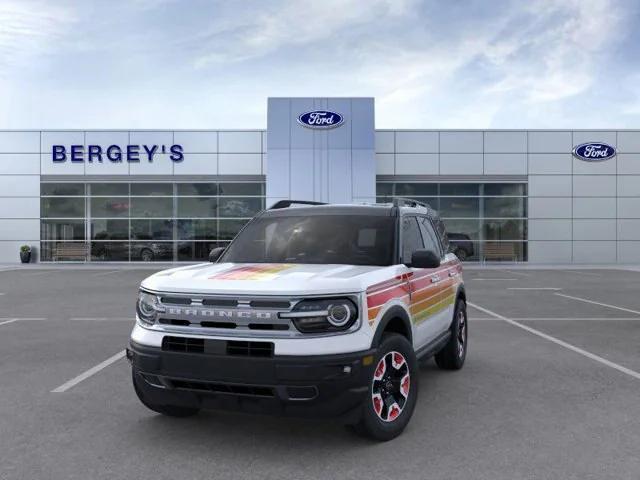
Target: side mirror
{"x": 215, "y": 254}
{"x": 424, "y": 259}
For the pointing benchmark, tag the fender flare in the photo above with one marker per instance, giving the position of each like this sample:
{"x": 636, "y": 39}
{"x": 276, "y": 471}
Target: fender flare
{"x": 394, "y": 312}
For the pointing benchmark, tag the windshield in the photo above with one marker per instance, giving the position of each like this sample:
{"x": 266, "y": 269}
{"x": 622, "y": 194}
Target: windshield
{"x": 350, "y": 240}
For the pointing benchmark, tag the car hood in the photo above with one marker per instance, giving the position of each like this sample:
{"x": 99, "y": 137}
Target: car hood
{"x": 261, "y": 279}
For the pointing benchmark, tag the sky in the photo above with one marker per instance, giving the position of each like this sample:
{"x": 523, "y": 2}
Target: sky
{"x": 429, "y": 64}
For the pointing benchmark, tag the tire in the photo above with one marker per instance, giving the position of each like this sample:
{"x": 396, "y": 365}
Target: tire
{"x": 168, "y": 410}
{"x": 146, "y": 255}
{"x": 461, "y": 254}
{"x": 454, "y": 353}
{"x": 397, "y": 381}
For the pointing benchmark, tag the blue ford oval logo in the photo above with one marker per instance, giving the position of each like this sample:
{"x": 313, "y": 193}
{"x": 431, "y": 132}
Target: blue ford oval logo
{"x": 320, "y": 119}
{"x": 594, "y": 151}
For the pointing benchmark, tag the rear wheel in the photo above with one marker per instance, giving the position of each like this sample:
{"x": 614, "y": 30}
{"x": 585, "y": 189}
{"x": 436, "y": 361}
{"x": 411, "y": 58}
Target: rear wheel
{"x": 146, "y": 255}
{"x": 168, "y": 410}
{"x": 461, "y": 254}
{"x": 392, "y": 392}
{"x": 452, "y": 356}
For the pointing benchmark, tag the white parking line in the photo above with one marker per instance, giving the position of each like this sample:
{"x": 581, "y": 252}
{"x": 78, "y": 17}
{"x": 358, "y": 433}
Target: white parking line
{"x": 5, "y": 320}
{"x": 89, "y": 373}
{"x": 105, "y": 273}
{"x": 520, "y": 274}
{"x": 493, "y": 279}
{"x": 557, "y": 341}
{"x": 2, "y": 293}
{"x": 586, "y": 300}
{"x": 11, "y": 320}
{"x": 102, "y": 319}
{"x": 533, "y": 288}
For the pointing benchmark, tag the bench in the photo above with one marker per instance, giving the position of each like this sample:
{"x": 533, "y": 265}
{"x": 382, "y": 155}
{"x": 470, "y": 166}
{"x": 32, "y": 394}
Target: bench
{"x": 68, "y": 251}
{"x": 499, "y": 251}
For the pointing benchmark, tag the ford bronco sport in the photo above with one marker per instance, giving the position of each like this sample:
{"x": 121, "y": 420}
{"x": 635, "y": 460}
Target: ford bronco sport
{"x": 313, "y": 309}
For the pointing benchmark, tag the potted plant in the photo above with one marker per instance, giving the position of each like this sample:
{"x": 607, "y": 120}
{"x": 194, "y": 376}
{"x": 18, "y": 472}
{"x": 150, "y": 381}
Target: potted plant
{"x": 25, "y": 253}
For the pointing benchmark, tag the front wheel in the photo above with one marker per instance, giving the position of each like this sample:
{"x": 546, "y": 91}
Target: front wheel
{"x": 453, "y": 354}
{"x": 393, "y": 390}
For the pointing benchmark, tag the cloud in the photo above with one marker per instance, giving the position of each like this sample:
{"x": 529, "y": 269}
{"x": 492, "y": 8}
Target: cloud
{"x": 30, "y": 28}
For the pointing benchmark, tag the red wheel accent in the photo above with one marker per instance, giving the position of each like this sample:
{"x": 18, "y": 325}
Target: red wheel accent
{"x": 380, "y": 369}
{"x": 404, "y": 385}
{"x": 394, "y": 411}
{"x": 398, "y": 360}
{"x": 377, "y": 404}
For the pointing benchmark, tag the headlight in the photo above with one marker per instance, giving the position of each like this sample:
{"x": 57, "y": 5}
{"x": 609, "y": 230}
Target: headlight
{"x": 323, "y": 315}
{"x": 147, "y": 307}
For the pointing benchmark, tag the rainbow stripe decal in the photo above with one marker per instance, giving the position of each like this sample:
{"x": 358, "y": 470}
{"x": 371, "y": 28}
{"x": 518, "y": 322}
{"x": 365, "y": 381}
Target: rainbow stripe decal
{"x": 262, "y": 271}
{"x": 416, "y": 291}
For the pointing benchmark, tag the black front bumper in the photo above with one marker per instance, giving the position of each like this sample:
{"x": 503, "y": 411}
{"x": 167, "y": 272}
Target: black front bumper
{"x": 309, "y": 386}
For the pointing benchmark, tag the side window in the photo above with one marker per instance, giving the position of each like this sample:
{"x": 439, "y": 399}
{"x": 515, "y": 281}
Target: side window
{"x": 411, "y": 238}
{"x": 430, "y": 239}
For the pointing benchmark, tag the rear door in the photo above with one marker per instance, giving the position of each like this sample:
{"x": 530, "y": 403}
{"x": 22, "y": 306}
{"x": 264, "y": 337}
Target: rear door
{"x": 443, "y": 308}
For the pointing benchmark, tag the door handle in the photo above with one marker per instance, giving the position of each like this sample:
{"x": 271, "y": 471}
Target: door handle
{"x": 435, "y": 279}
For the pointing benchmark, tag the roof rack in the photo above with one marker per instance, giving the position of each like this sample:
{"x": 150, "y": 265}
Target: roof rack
{"x": 287, "y": 203}
{"x": 409, "y": 202}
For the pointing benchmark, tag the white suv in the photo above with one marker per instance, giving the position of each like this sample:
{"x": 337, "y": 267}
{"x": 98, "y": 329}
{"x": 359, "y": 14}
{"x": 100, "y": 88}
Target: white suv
{"x": 313, "y": 310}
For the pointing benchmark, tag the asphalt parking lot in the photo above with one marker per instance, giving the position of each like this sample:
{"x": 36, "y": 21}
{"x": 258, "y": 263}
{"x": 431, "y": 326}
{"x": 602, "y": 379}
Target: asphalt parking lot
{"x": 550, "y": 390}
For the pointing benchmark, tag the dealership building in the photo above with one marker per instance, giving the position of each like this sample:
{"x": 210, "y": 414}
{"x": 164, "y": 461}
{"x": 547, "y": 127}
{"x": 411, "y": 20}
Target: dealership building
{"x": 161, "y": 195}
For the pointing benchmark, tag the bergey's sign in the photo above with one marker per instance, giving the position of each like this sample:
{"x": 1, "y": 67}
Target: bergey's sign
{"x": 114, "y": 153}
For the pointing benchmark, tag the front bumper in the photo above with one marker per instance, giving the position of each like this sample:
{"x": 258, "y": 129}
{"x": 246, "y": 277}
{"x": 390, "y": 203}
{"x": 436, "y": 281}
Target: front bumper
{"x": 317, "y": 386}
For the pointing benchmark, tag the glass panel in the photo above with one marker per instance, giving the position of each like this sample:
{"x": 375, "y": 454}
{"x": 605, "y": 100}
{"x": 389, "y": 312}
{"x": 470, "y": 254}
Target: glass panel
{"x": 62, "y": 207}
{"x": 461, "y": 189}
{"x": 197, "y": 189}
{"x": 459, "y": 207}
{"x": 413, "y": 189}
{"x": 197, "y": 251}
{"x": 504, "y": 251}
{"x": 155, "y": 189}
{"x": 462, "y": 229}
{"x": 240, "y": 207}
{"x": 241, "y": 188}
{"x": 110, "y": 229}
{"x": 109, "y": 207}
{"x": 151, "y": 251}
{"x": 153, "y": 207}
{"x": 63, "y": 251}
{"x": 197, "y": 207}
{"x": 504, "y": 229}
{"x": 110, "y": 251}
{"x": 109, "y": 189}
{"x": 465, "y": 250}
{"x": 505, "y": 207}
{"x": 497, "y": 189}
{"x": 66, "y": 189}
{"x": 152, "y": 229}
{"x": 62, "y": 230}
{"x": 228, "y": 229}
{"x": 197, "y": 229}
{"x": 411, "y": 238}
{"x": 385, "y": 188}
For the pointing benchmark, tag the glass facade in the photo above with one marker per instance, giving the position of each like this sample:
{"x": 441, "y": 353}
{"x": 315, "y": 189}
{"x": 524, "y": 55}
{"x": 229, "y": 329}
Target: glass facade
{"x": 485, "y": 221}
{"x": 143, "y": 221}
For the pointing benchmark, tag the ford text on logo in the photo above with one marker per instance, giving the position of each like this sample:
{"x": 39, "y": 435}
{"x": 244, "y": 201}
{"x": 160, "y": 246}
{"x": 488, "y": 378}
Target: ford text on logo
{"x": 594, "y": 151}
{"x": 320, "y": 119}
{"x": 114, "y": 153}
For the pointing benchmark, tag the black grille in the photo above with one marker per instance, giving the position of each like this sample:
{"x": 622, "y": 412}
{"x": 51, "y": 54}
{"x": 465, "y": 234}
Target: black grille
{"x": 268, "y": 326}
{"x": 176, "y": 300}
{"x": 173, "y": 321}
{"x": 208, "y": 324}
{"x": 249, "y": 349}
{"x": 217, "y": 347}
{"x": 270, "y": 304}
{"x": 219, "y": 302}
{"x": 252, "y": 390}
{"x": 183, "y": 344}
